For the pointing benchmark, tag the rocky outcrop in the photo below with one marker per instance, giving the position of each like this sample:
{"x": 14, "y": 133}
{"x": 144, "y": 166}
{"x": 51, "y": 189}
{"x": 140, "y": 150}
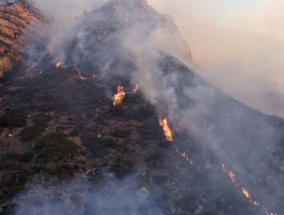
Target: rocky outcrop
{"x": 19, "y": 23}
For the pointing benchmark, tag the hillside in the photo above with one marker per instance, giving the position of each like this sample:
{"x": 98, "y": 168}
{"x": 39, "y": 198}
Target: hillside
{"x": 19, "y": 24}
{"x": 170, "y": 144}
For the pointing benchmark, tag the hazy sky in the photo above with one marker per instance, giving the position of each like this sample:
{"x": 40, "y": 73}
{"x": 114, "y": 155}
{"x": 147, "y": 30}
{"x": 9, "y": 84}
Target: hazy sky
{"x": 237, "y": 44}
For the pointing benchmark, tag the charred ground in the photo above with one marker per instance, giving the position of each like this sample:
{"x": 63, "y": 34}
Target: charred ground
{"x": 58, "y": 125}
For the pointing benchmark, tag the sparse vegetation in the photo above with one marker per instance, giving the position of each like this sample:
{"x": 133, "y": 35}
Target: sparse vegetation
{"x": 121, "y": 167}
{"x": 144, "y": 113}
{"x": 40, "y": 124}
{"x": 56, "y": 147}
{"x": 27, "y": 157}
{"x": 14, "y": 119}
{"x": 119, "y": 133}
{"x": 96, "y": 145}
{"x": 154, "y": 160}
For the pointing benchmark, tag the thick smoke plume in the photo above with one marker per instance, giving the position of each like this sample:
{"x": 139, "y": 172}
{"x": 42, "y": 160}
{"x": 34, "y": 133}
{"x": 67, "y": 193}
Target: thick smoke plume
{"x": 241, "y": 51}
{"x": 61, "y": 16}
{"x": 195, "y": 109}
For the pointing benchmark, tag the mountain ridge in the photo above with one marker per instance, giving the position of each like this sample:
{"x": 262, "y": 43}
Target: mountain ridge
{"x": 59, "y": 124}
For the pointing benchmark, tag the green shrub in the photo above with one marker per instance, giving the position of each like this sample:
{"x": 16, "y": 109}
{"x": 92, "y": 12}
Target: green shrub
{"x": 40, "y": 124}
{"x": 57, "y": 147}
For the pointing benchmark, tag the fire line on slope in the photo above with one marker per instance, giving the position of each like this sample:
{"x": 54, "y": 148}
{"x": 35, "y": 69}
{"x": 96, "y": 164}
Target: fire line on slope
{"x": 169, "y": 137}
{"x": 117, "y": 98}
{"x": 245, "y": 191}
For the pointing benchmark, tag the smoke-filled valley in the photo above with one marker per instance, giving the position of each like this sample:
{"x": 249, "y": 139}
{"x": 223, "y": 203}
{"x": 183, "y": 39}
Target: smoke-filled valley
{"x": 101, "y": 114}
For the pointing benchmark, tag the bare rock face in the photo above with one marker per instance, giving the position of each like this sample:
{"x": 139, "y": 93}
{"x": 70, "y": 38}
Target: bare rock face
{"x": 19, "y": 24}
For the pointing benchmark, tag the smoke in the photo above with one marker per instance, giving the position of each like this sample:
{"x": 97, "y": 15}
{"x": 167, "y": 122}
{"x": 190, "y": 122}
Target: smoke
{"x": 47, "y": 195}
{"x": 4, "y": 2}
{"x": 191, "y": 105}
{"x": 61, "y": 16}
{"x": 237, "y": 46}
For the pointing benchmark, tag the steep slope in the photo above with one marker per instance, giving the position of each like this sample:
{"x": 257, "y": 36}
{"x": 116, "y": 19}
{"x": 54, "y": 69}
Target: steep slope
{"x": 19, "y": 25}
{"x": 76, "y": 152}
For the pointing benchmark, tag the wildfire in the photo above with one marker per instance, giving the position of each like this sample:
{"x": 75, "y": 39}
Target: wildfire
{"x": 136, "y": 88}
{"x": 231, "y": 174}
{"x": 80, "y": 76}
{"x": 233, "y": 177}
{"x": 117, "y": 98}
{"x": 255, "y": 203}
{"x": 58, "y": 64}
{"x": 167, "y": 130}
{"x": 169, "y": 137}
{"x": 245, "y": 191}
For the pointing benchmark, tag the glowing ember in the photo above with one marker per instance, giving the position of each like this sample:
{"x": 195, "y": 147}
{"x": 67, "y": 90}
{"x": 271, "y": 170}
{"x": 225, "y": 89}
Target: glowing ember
{"x": 233, "y": 177}
{"x": 255, "y": 203}
{"x": 169, "y": 137}
{"x": 80, "y": 76}
{"x": 58, "y": 64}
{"x": 245, "y": 191}
{"x": 95, "y": 76}
{"x": 136, "y": 88}
{"x": 166, "y": 128}
{"x": 231, "y": 174}
{"x": 117, "y": 98}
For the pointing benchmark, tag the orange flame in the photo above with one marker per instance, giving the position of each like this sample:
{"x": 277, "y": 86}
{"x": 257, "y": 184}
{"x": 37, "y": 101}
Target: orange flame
{"x": 169, "y": 137}
{"x": 136, "y": 88}
{"x": 58, "y": 64}
{"x": 80, "y": 76}
{"x": 233, "y": 177}
{"x": 117, "y": 98}
{"x": 245, "y": 191}
{"x": 167, "y": 130}
{"x": 255, "y": 203}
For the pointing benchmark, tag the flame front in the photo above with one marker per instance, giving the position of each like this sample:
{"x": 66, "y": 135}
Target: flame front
{"x": 117, "y": 98}
{"x": 80, "y": 76}
{"x": 167, "y": 130}
{"x": 169, "y": 137}
{"x": 233, "y": 177}
{"x": 57, "y": 64}
{"x": 136, "y": 88}
{"x": 245, "y": 191}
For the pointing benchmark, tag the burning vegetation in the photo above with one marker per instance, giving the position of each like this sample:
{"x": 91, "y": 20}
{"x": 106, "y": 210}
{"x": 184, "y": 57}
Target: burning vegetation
{"x": 58, "y": 64}
{"x": 63, "y": 123}
{"x": 167, "y": 130}
{"x": 119, "y": 96}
